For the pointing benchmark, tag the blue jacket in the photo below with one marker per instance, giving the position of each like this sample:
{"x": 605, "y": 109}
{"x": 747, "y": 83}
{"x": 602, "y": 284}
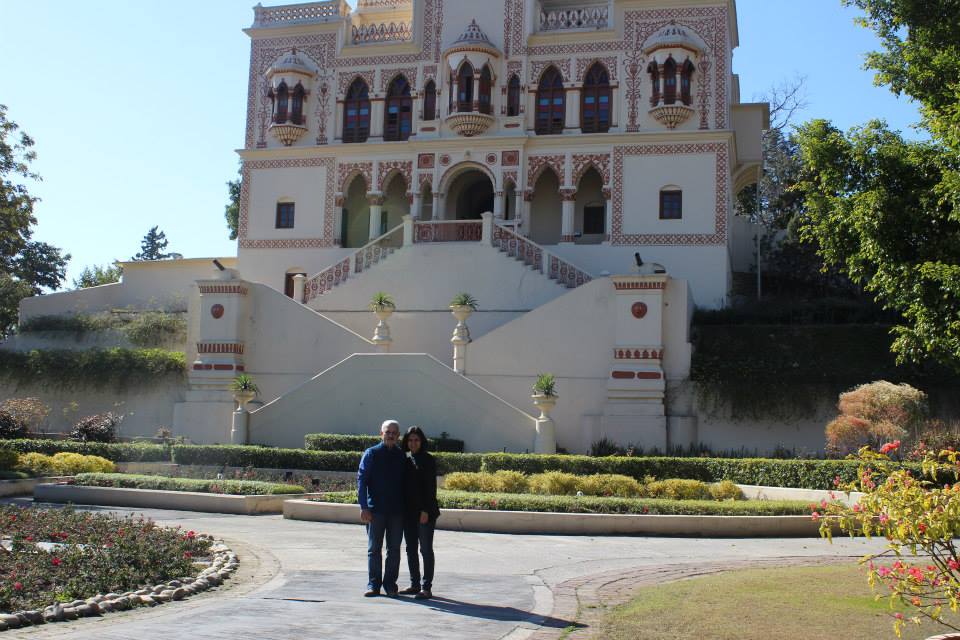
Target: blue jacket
{"x": 380, "y": 479}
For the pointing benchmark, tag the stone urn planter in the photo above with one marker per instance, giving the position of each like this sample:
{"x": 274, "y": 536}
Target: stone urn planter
{"x": 546, "y": 437}
{"x": 243, "y": 397}
{"x": 545, "y": 404}
{"x": 381, "y": 334}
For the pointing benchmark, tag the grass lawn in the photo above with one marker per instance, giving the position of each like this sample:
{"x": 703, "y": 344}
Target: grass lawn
{"x": 805, "y": 603}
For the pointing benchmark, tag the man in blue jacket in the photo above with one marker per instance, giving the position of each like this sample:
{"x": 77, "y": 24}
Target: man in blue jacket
{"x": 380, "y": 495}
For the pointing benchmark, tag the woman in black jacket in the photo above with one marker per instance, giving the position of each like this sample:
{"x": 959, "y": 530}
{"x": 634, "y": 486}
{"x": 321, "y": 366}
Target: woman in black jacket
{"x": 420, "y": 510}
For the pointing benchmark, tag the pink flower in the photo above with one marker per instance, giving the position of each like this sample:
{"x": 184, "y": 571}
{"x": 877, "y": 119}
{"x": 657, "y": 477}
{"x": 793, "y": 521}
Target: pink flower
{"x": 922, "y": 528}
{"x": 18, "y": 586}
{"x": 890, "y": 446}
{"x": 836, "y": 481}
{"x": 884, "y": 518}
{"x": 898, "y": 616}
{"x": 187, "y": 554}
{"x": 884, "y": 572}
{"x": 56, "y": 561}
{"x": 191, "y": 534}
{"x": 815, "y": 516}
{"x": 857, "y": 508}
{"x": 954, "y": 565}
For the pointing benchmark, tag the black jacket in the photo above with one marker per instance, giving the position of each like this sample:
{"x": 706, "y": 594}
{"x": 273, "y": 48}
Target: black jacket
{"x": 420, "y": 485}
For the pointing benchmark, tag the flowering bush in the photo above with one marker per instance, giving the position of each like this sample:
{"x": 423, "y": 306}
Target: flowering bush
{"x": 95, "y": 553}
{"x": 919, "y": 515}
{"x": 12, "y": 426}
{"x": 936, "y": 435}
{"x": 101, "y": 427}
{"x": 874, "y": 413}
{"x": 32, "y": 412}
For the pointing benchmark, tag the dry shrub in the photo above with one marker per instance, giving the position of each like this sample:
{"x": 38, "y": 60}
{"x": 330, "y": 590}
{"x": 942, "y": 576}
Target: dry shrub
{"x": 70, "y": 464}
{"x": 726, "y": 490}
{"x": 36, "y": 464}
{"x": 679, "y": 490}
{"x": 554, "y": 483}
{"x": 31, "y": 412}
{"x": 610, "y": 485}
{"x": 464, "y": 481}
{"x": 509, "y": 482}
{"x": 874, "y": 413}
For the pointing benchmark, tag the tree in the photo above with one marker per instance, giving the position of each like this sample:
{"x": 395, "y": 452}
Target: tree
{"x": 232, "y": 210}
{"x": 96, "y": 275}
{"x": 26, "y": 265}
{"x": 152, "y": 246}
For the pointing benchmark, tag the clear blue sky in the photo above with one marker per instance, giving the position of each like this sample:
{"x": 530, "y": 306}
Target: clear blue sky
{"x": 137, "y": 106}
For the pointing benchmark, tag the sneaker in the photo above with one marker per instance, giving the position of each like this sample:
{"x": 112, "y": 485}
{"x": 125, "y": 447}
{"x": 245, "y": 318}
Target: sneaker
{"x": 371, "y": 593}
{"x": 410, "y": 591}
{"x": 424, "y": 595}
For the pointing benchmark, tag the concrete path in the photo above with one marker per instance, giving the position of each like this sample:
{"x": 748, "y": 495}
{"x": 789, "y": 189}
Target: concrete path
{"x": 301, "y": 580}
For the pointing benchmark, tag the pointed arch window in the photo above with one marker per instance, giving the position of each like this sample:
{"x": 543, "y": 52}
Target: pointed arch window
{"x": 281, "y": 100}
{"x": 296, "y": 104}
{"x": 669, "y": 81}
{"x": 486, "y": 87}
{"x": 356, "y": 112}
{"x": 430, "y": 101}
{"x": 450, "y": 93}
{"x": 654, "y": 70}
{"x": 686, "y": 74}
{"x": 551, "y": 103}
{"x": 513, "y": 96}
{"x": 465, "y": 87}
{"x": 595, "y": 100}
{"x": 398, "y": 113}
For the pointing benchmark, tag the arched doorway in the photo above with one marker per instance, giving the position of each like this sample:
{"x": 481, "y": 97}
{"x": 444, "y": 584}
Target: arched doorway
{"x": 469, "y": 194}
{"x": 591, "y": 209}
{"x": 545, "y": 209}
{"x": 355, "y": 220}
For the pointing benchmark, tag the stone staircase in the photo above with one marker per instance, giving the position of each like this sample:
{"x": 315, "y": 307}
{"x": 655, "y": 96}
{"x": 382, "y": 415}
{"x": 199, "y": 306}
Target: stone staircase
{"x": 537, "y": 258}
{"x": 361, "y": 260}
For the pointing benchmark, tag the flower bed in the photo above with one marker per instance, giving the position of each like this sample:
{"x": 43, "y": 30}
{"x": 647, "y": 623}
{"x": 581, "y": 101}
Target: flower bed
{"x": 162, "y": 483}
{"x": 57, "y": 560}
{"x": 586, "y": 504}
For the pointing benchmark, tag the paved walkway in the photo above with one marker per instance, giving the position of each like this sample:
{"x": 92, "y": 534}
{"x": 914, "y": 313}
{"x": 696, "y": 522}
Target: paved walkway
{"x": 302, "y": 580}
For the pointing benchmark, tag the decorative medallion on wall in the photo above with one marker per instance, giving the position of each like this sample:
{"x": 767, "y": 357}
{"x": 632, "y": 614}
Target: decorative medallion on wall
{"x": 491, "y": 158}
{"x": 510, "y": 158}
{"x": 444, "y": 160}
{"x": 216, "y": 311}
{"x": 639, "y": 309}
{"x": 426, "y": 161}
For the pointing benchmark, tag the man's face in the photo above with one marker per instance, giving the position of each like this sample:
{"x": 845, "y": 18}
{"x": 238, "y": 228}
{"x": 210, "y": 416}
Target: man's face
{"x": 390, "y": 434}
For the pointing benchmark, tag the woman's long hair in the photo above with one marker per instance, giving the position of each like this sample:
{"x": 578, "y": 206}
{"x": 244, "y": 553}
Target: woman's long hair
{"x": 424, "y": 443}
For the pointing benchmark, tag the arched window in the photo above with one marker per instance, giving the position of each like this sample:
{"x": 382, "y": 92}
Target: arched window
{"x": 669, "y": 81}
{"x": 356, "y": 112}
{"x": 398, "y": 114}
{"x": 486, "y": 86}
{"x": 465, "y": 88}
{"x": 296, "y": 106}
{"x": 280, "y": 102}
{"x": 595, "y": 101}
{"x": 430, "y": 101}
{"x": 551, "y": 103}
{"x": 686, "y": 73}
{"x": 654, "y": 70}
{"x": 513, "y": 96}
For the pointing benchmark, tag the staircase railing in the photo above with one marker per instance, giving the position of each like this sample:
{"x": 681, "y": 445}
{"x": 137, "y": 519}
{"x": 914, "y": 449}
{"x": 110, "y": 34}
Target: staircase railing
{"x": 360, "y": 260}
{"x": 534, "y": 255}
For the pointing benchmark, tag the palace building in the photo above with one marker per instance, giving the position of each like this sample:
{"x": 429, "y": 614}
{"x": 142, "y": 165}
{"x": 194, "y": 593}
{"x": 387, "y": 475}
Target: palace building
{"x": 572, "y": 165}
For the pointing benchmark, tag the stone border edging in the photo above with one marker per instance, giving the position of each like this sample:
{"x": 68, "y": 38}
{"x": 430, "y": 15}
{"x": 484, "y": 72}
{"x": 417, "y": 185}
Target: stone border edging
{"x": 162, "y": 499}
{"x": 533, "y": 522}
{"x": 224, "y": 563}
{"x": 24, "y": 486}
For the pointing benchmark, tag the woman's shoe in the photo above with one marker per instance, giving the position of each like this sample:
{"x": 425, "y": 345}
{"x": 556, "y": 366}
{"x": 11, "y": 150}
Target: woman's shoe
{"x": 409, "y": 591}
{"x": 424, "y": 595}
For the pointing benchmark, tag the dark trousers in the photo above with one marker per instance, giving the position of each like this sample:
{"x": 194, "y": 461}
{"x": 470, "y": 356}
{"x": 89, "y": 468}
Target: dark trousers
{"x": 419, "y": 535}
{"x": 391, "y": 526}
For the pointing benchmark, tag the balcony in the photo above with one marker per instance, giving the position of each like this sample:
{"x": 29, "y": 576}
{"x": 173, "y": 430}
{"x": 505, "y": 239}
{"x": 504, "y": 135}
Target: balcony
{"x": 591, "y": 17}
{"x": 469, "y": 123}
{"x": 382, "y": 33}
{"x": 329, "y": 11}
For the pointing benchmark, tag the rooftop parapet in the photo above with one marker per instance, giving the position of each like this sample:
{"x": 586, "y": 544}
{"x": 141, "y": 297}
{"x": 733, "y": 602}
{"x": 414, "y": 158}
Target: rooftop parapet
{"x": 296, "y": 14}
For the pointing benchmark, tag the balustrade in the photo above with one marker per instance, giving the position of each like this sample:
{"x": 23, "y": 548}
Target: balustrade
{"x": 594, "y": 17}
{"x": 298, "y": 13}
{"x": 382, "y": 32}
{"x": 448, "y": 231}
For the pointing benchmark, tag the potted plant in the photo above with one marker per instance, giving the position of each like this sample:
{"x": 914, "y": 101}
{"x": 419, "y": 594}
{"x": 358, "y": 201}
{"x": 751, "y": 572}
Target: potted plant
{"x": 545, "y": 393}
{"x": 463, "y": 302}
{"x": 383, "y": 306}
{"x": 244, "y": 390}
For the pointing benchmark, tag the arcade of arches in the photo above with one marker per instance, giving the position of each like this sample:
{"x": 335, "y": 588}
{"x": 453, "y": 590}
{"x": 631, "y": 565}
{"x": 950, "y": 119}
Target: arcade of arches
{"x": 549, "y": 214}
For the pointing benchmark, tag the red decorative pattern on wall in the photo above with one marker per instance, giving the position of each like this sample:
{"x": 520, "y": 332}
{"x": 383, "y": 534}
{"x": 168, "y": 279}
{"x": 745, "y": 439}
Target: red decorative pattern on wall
{"x": 347, "y": 78}
{"x": 537, "y": 68}
{"x": 430, "y": 73}
{"x": 322, "y": 112}
{"x": 233, "y": 289}
{"x": 639, "y": 286}
{"x": 220, "y": 347}
{"x": 536, "y": 165}
{"x": 426, "y": 161}
{"x": 425, "y": 178}
{"x": 638, "y": 353}
{"x": 509, "y": 177}
{"x": 610, "y": 62}
{"x": 719, "y": 235}
{"x": 326, "y": 280}
{"x": 447, "y": 231}
{"x": 389, "y": 167}
{"x": 296, "y": 243}
{"x": 583, "y": 161}
{"x": 491, "y": 158}
{"x": 510, "y": 158}
{"x": 347, "y": 171}
{"x": 387, "y": 76}
{"x": 513, "y": 42}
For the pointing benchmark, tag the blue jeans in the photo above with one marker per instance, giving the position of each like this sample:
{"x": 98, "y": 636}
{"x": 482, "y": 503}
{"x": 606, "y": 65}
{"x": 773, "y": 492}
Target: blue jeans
{"x": 421, "y": 535}
{"x": 378, "y": 575}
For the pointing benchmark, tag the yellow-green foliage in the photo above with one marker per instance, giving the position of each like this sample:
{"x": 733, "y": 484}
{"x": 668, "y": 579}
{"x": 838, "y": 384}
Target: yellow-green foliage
{"x": 499, "y": 482}
{"x": 36, "y": 464}
{"x": 510, "y": 482}
{"x": 679, "y": 490}
{"x": 8, "y": 459}
{"x": 463, "y": 481}
{"x": 69, "y": 464}
{"x": 601, "y": 484}
{"x": 554, "y": 483}
{"x": 726, "y": 490}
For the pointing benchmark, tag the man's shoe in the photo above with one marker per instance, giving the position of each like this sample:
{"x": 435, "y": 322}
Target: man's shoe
{"x": 424, "y": 595}
{"x": 393, "y": 594}
{"x": 410, "y": 591}
{"x": 371, "y": 593}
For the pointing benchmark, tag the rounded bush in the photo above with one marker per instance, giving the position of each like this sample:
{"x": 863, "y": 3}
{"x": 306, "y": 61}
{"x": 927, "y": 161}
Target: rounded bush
{"x": 8, "y": 459}
{"x": 36, "y": 464}
{"x": 101, "y": 427}
{"x": 69, "y": 464}
{"x": 12, "y": 427}
{"x": 679, "y": 490}
{"x": 726, "y": 490}
{"x": 554, "y": 483}
{"x": 510, "y": 482}
{"x": 606, "y": 484}
{"x": 463, "y": 481}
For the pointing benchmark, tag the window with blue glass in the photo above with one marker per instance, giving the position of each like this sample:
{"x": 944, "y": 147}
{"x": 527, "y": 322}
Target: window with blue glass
{"x": 513, "y": 96}
{"x": 398, "y": 113}
{"x": 670, "y": 81}
{"x": 356, "y": 112}
{"x": 465, "y": 87}
{"x": 551, "y": 103}
{"x": 671, "y": 204}
{"x": 595, "y": 100}
{"x": 285, "y": 215}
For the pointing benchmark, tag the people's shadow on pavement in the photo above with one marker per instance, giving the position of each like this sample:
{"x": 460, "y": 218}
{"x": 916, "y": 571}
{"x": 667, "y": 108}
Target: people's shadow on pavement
{"x": 492, "y": 612}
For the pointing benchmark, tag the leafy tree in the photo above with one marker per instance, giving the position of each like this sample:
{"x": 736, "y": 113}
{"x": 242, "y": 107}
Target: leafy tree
{"x": 232, "y": 210}
{"x": 26, "y": 266}
{"x": 152, "y": 246}
{"x": 885, "y": 210}
{"x": 96, "y": 275}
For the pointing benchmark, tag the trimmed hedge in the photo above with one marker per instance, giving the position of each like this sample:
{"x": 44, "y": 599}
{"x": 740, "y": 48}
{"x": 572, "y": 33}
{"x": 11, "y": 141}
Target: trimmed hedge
{"x": 113, "y": 451}
{"x": 344, "y": 442}
{"x": 570, "y": 504}
{"x": 229, "y": 487}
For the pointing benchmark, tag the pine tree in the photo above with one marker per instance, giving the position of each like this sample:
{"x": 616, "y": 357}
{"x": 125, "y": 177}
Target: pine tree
{"x": 152, "y": 246}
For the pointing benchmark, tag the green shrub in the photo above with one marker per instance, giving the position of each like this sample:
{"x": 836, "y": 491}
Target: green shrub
{"x": 12, "y": 426}
{"x": 116, "y": 452}
{"x": 229, "y": 487}
{"x": 69, "y": 464}
{"x": 156, "y": 328}
{"x": 726, "y": 490}
{"x": 606, "y": 484}
{"x": 554, "y": 483}
{"x": 466, "y": 481}
{"x": 36, "y": 464}
{"x": 93, "y": 368}
{"x": 678, "y": 489}
{"x": 510, "y": 482}
{"x": 343, "y": 442}
{"x": 573, "y": 504}
{"x": 8, "y": 459}
{"x": 147, "y": 329}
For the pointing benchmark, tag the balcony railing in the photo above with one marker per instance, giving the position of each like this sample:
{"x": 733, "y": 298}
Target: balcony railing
{"x": 382, "y": 32}
{"x": 447, "y": 231}
{"x": 328, "y": 11}
{"x": 593, "y": 17}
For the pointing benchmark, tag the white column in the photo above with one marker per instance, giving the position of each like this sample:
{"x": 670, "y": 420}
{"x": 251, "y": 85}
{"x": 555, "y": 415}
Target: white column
{"x": 376, "y": 207}
{"x": 454, "y": 96}
{"x": 407, "y": 231}
{"x": 569, "y": 215}
{"x": 299, "y": 283}
{"x": 523, "y": 211}
{"x": 498, "y": 205}
{"x": 476, "y": 92}
{"x": 572, "y": 124}
{"x": 417, "y": 209}
{"x": 376, "y": 118}
{"x": 441, "y": 213}
{"x": 338, "y": 125}
{"x": 486, "y": 234}
{"x": 437, "y": 203}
